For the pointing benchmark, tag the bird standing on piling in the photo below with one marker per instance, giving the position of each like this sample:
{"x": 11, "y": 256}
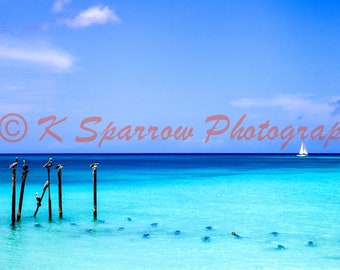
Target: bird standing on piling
{"x": 38, "y": 198}
{"x": 59, "y": 166}
{"x": 94, "y": 165}
{"x": 48, "y": 165}
{"x": 14, "y": 164}
{"x": 25, "y": 166}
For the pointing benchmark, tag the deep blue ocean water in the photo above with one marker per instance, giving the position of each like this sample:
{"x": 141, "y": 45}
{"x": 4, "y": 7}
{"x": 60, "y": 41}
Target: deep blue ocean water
{"x": 187, "y": 205}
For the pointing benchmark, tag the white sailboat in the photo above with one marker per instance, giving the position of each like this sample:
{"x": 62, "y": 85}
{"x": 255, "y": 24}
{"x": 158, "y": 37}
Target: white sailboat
{"x": 303, "y": 150}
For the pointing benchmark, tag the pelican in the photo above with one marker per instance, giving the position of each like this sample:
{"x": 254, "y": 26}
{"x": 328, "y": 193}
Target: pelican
{"x": 14, "y": 164}
{"x": 37, "y": 197}
{"x": 48, "y": 164}
{"x": 25, "y": 166}
{"x": 94, "y": 165}
{"x": 59, "y": 166}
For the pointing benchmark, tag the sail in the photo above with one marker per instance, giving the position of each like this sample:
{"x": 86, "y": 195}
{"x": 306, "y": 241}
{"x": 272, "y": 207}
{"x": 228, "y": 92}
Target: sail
{"x": 303, "y": 150}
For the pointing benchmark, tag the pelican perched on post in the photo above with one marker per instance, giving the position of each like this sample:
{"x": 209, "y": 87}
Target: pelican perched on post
{"x": 25, "y": 166}
{"x": 37, "y": 197}
{"x": 48, "y": 165}
{"x": 59, "y": 166}
{"x": 14, "y": 164}
{"x": 94, "y": 165}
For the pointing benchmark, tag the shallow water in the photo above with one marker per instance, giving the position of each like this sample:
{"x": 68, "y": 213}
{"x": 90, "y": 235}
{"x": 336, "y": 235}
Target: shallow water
{"x": 157, "y": 195}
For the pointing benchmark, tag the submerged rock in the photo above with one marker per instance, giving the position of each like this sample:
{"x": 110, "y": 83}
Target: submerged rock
{"x": 280, "y": 247}
{"x": 206, "y": 239}
{"x": 310, "y": 244}
{"x": 146, "y": 235}
{"x": 235, "y": 235}
{"x": 100, "y": 221}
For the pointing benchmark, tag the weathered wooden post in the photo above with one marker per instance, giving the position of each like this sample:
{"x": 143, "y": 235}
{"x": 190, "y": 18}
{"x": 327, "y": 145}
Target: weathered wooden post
{"x": 13, "y": 167}
{"x": 48, "y": 166}
{"x": 59, "y": 167}
{"x": 22, "y": 189}
{"x": 94, "y": 166}
{"x": 39, "y": 199}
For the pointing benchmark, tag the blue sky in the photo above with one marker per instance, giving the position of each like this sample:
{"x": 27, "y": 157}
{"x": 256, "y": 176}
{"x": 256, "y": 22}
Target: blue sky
{"x": 169, "y": 64}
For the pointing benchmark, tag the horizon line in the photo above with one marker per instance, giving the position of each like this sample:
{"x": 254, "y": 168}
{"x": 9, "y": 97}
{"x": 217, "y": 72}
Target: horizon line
{"x": 170, "y": 153}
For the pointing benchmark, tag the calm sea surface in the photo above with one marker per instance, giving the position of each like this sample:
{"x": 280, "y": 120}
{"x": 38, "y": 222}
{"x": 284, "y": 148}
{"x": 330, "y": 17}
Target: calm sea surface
{"x": 175, "y": 212}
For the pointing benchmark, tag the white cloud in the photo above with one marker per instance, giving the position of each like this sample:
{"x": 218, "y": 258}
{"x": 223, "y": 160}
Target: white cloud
{"x": 336, "y": 107}
{"x": 39, "y": 54}
{"x": 295, "y": 105}
{"x": 58, "y": 5}
{"x": 6, "y": 107}
{"x": 91, "y": 16}
{"x": 279, "y": 101}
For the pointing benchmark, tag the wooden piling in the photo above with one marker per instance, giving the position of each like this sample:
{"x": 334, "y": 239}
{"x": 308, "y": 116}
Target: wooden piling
{"x": 13, "y": 167}
{"x": 48, "y": 166}
{"x": 22, "y": 189}
{"x": 59, "y": 167}
{"x": 49, "y": 195}
{"x": 40, "y": 199}
{"x": 13, "y": 196}
{"x": 95, "y": 193}
{"x": 94, "y": 173}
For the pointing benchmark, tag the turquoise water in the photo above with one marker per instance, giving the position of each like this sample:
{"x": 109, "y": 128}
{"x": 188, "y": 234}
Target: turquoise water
{"x": 198, "y": 195}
